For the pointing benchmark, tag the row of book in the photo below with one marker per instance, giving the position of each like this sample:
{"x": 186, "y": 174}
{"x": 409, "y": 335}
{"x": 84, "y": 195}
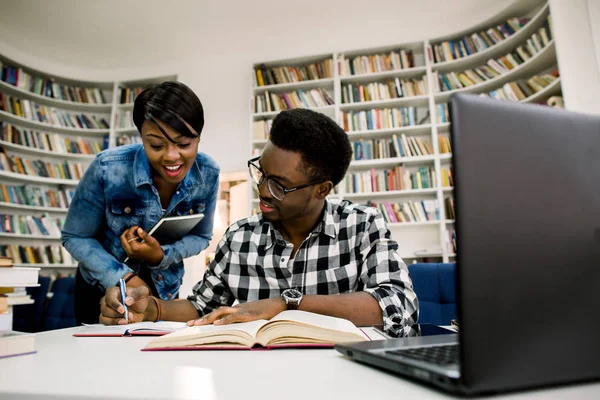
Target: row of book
{"x": 127, "y": 95}
{"x": 59, "y": 170}
{"x": 410, "y": 211}
{"x": 391, "y": 89}
{"x": 374, "y": 119}
{"x": 49, "y": 141}
{"x": 261, "y": 129}
{"x": 442, "y": 114}
{"x": 397, "y": 178}
{"x": 449, "y": 207}
{"x": 521, "y": 89}
{"x": 396, "y": 146}
{"x": 49, "y": 254}
{"x": 476, "y": 42}
{"x": 49, "y": 115}
{"x": 451, "y": 240}
{"x": 48, "y": 87}
{"x": 313, "y": 98}
{"x": 124, "y": 120}
{"x": 28, "y": 195}
{"x": 128, "y": 139}
{"x": 288, "y": 74}
{"x": 492, "y": 69}
{"x": 445, "y": 146}
{"x": 31, "y": 225}
{"x": 368, "y": 64}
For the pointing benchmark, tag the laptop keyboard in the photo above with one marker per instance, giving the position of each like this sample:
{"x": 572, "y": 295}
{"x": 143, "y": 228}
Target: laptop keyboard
{"x": 441, "y": 355}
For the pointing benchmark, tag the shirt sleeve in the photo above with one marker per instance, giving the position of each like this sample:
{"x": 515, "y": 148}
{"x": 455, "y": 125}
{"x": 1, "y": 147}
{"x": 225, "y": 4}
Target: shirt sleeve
{"x": 84, "y": 218}
{"x": 385, "y": 276}
{"x": 213, "y": 292}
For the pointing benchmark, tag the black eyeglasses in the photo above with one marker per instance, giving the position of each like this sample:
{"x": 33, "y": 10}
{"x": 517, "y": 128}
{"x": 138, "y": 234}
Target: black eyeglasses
{"x": 276, "y": 189}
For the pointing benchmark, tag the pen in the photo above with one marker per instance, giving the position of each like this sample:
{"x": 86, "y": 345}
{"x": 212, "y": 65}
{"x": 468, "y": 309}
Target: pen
{"x": 123, "y": 295}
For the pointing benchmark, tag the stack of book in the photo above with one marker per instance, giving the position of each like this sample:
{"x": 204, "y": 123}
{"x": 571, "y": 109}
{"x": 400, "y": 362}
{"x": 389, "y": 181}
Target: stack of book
{"x": 13, "y": 282}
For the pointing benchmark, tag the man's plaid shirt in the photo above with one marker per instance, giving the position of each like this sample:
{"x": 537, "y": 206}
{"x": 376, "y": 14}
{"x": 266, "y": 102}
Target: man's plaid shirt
{"x": 350, "y": 250}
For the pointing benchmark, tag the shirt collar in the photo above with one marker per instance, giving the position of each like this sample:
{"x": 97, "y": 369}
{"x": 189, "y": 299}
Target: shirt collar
{"x": 326, "y": 226}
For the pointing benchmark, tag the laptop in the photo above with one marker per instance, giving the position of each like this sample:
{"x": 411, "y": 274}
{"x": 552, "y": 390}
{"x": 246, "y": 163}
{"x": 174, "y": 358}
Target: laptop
{"x": 527, "y": 198}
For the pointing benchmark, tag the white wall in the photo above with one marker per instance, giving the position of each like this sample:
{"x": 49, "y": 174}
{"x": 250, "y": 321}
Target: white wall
{"x": 212, "y": 45}
{"x": 576, "y": 26}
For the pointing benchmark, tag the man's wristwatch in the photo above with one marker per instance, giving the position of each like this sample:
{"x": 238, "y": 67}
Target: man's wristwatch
{"x": 292, "y": 298}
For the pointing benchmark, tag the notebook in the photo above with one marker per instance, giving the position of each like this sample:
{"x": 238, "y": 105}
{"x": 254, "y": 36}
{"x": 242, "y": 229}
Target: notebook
{"x": 136, "y": 329}
{"x": 168, "y": 230}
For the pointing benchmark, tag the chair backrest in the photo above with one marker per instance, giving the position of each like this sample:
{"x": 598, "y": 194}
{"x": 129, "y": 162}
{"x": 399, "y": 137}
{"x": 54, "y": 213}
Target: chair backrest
{"x": 28, "y": 318}
{"x": 435, "y": 286}
{"x": 61, "y": 307}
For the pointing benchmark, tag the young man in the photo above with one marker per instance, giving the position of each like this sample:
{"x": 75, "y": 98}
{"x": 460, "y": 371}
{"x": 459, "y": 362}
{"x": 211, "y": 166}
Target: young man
{"x": 302, "y": 251}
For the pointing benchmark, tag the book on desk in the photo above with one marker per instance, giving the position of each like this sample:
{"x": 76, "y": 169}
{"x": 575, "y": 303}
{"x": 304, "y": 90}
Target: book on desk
{"x": 292, "y": 328}
{"x": 136, "y": 329}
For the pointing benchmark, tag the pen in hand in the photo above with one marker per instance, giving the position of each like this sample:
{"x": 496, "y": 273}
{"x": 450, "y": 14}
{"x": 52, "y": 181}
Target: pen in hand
{"x": 123, "y": 295}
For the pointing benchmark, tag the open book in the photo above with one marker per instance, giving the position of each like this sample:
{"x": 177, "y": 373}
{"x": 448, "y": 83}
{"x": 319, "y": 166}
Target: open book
{"x": 136, "y": 329}
{"x": 292, "y": 328}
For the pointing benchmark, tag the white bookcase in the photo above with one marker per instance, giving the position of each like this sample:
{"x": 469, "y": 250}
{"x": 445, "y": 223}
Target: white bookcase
{"x": 429, "y": 239}
{"x": 110, "y": 110}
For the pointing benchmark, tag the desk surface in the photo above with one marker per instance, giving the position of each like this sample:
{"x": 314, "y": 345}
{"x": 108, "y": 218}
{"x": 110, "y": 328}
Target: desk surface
{"x": 66, "y": 367}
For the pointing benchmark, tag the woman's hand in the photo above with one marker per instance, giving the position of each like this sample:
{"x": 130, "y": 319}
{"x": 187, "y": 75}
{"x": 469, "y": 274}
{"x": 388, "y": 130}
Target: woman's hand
{"x": 140, "y": 246}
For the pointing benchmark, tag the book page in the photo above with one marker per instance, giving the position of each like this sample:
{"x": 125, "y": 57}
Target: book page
{"x": 241, "y": 333}
{"x": 301, "y": 327}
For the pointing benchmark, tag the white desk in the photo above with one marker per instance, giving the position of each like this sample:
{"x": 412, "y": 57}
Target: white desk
{"x": 66, "y": 367}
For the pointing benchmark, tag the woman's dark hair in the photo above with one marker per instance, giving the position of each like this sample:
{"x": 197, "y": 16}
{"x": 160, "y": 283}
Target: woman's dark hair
{"x": 323, "y": 144}
{"x": 172, "y": 103}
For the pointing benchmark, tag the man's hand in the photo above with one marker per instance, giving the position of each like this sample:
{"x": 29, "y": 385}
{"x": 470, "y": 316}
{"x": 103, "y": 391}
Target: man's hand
{"x": 112, "y": 311}
{"x": 140, "y": 246}
{"x": 260, "y": 309}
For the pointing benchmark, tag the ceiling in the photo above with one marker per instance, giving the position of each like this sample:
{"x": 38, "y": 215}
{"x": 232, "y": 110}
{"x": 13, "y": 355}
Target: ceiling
{"x": 110, "y": 33}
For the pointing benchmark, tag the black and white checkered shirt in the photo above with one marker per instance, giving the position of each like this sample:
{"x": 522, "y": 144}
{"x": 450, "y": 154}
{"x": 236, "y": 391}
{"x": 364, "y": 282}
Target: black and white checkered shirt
{"x": 349, "y": 251}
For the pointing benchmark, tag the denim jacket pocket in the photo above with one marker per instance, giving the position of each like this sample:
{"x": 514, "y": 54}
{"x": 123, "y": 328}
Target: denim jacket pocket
{"x": 193, "y": 208}
{"x": 125, "y": 213}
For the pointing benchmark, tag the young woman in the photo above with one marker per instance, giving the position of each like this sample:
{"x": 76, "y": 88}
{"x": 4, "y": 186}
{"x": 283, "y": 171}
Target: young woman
{"x": 126, "y": 190}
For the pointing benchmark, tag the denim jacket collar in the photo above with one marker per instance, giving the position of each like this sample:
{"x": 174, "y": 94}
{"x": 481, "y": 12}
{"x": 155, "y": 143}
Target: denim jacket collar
{"x": 143, "y": 176}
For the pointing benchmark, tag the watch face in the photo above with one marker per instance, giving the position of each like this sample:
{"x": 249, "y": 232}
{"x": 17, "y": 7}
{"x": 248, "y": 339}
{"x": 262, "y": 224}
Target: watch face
{"x": 292, "y": 294}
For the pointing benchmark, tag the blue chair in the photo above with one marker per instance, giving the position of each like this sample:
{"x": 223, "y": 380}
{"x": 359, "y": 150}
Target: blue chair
{"x": 435, "y": 286}
{"x": 61, "y": 307}
{"x": 28, "y": 318}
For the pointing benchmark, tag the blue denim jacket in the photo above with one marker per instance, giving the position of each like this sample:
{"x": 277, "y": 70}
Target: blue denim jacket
{"x": 115, "y": 193}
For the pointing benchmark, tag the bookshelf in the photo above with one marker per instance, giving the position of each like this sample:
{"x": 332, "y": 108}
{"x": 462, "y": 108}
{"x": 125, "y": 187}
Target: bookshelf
{"x": 391, "y": 99}
{"x": 51, "y": 128}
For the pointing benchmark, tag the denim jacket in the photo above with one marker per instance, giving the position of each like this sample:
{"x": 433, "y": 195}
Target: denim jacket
{"x": 115, "y": 193}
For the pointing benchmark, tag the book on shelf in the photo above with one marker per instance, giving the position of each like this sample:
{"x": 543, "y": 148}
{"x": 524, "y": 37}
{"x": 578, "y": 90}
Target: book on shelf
{"x": 49, "y": 115}
{"x": 26, "y": 166}
{"x": 48, "y": 87}
{"x": 16, "y": 343}
{"x": 35, "y": 196}
{"x": 264, "y": 75}
{"x": 521, "y": 89}
{"x": 411, "y": 211}
{"x": 396, "y": 178}
{"x": 291, "y": 328}
{"x": 396, "y": 146}
{"x": 53, "y": 142}
{"x": 127, "y": 95}
{"x": 310, "y": 98}
{"x": 261, "y": 129}
{"x": 31, "y": 225}
{"x": 6, "y": 262}
{"x": 387, "y": 90}
{"x": 135, "y": 329}
{"x": 367, "y": 64}
{"x": 379, "y": 118}
{"x": 48, "y": 254}
{"x": 18, "y": 277}
{"x": 474, "y": 43}
{"x": 449, "y": 207}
